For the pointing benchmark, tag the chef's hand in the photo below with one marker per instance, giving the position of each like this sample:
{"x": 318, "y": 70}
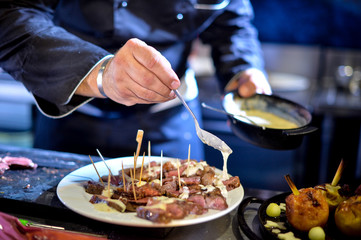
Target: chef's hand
{"x": 137, "y": 74}
{"x": 249, "y": 82}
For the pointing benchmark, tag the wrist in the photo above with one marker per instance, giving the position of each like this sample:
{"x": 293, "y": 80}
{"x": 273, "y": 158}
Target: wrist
{"x": 100, "y": 74}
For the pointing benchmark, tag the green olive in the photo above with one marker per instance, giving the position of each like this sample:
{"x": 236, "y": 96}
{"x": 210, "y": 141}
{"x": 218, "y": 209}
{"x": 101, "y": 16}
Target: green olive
{"x": 316, "y": 233}
{"x": 273, "y": 210}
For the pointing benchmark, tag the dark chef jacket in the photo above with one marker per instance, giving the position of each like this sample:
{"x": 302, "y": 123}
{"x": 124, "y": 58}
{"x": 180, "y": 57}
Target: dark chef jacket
{"x": 52, "y": 60}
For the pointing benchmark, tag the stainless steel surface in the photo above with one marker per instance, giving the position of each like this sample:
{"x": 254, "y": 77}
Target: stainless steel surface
{"x": 206, "y": 137}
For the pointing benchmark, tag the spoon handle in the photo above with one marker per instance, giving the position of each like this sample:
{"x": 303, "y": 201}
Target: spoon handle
{"x": 230, "y": 114}
{"x": 185, "y": 104}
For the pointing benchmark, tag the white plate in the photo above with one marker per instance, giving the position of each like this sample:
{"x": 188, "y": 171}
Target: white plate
{"x": 71, "y": 193}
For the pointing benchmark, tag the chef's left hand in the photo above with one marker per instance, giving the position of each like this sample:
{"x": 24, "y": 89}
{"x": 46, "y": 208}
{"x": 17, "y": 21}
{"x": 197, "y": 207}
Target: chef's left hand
{"x": 250, "y": 82}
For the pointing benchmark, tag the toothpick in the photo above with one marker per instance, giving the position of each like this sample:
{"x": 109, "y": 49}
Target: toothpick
{"x": 135, "y": 164}
{"x": 189, "y": 157}
{"x": 101, "y": 156}
{"x": 179, "y": 181}
{"x": 292, "y": 185}
{"x": 161, "y": 167}
{"x": 141, "y": 171}
{"x": 109, "y": 185}
{"x": 149, "y": 169}
{"x": 100, "y": 179}
{"x": 337, "y": 176}
{"x": 131, "y": 176}
{"x": 139, "y": 139}
{"x": 123, "y": 177}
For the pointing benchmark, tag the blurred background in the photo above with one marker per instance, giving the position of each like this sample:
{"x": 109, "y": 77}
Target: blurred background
{"x": 312, "y": 51}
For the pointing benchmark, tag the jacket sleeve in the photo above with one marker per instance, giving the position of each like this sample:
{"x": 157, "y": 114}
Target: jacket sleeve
{"x": 48, "y": 60}
{"x": 234, "y": 41}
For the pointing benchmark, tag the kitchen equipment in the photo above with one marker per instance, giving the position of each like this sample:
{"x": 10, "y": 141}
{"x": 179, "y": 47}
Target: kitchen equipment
{"x": 224, "y": 112}
{"x": 206, "y": 137}
{"x": 272, "y": 138}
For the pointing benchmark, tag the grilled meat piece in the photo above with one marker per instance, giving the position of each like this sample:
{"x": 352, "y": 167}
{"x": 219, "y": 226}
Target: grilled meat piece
{"x": 94, "y": 187}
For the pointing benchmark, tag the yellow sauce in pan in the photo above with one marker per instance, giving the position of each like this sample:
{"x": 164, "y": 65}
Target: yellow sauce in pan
{"x": 269, "y": 120}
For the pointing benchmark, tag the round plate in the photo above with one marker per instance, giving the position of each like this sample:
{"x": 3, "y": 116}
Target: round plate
{"x": 71, "y": 193}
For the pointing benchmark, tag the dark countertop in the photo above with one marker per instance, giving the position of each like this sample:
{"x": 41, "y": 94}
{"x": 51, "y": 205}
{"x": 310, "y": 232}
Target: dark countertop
{"x": 31, "y": 194}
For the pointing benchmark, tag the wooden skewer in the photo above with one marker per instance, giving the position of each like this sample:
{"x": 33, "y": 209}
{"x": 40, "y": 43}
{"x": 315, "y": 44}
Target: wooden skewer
{"x": 123, "y": 177}
{"x": 109, "y": 185}
{"x": 141, "y": 171}
{"x": 161, "y": 167}
{"x": 131, "y": 176}
{"x": 149, "y": 169}
{"x": 338, "y": 174}
{"x": 135, "y": 164}
{"x": 100, "y": 179}
{"x": 179, "y": 181}
{"x": 101, "y": 156}
{"x": 189, "y": 158}
{"x": 292, "y": 185}
{"x": 139, "y": 140}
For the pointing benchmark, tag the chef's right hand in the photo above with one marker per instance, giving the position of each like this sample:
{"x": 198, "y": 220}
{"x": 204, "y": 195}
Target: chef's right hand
{"x": 137, "y": 74}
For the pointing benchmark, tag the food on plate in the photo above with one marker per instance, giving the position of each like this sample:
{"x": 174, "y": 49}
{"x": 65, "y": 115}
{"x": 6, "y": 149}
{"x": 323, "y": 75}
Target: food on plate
{"x": 316, "y": 233}
{"x": 163, "y": 209}
{"x": 16, "y": 162}
{"x": 161, "y": 192}
{"x": 348, "y": 216}
{"x": 334, "y": 193}
{"x": 306, "y": 210}
{"x": 273, "y": 210}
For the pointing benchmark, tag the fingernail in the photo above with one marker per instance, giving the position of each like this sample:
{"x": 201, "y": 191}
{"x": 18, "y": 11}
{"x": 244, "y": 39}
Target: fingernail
{"x": 172, "y": 94}
{"x": 175, "y": 84}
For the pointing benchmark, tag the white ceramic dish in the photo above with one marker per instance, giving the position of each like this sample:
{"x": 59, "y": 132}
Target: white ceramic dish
{"x": 71, "y": 193}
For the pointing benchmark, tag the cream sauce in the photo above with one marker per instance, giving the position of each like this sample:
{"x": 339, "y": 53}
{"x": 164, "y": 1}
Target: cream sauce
{"x": 185, "y": 193}
{"x": 105, "y": 208}
{"x": 163, "y": 203}
{"x": 194, "y": 167}
{"x": 271, "y": 224}
{"x": 276, "y": 228}
{"x": 269, "y": 120}
{"x": 287, "y": 236}
{"x": 225, "y": 155}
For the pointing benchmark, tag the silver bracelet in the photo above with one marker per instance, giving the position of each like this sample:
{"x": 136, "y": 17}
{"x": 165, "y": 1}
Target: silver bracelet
{"x": 100, "y": 75}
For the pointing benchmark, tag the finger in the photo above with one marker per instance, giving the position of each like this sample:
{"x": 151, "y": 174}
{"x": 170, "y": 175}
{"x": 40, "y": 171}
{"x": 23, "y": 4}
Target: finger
{"x": 149, "y": 81}
{"x": 152, "y": 59}
{"x": 247, "y": 89}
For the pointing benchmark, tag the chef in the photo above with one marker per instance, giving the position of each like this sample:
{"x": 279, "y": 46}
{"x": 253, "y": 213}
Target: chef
{"x": 101, "y": 70}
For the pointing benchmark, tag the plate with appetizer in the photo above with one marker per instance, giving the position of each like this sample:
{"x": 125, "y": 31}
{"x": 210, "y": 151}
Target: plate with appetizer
{"x": 150, "y": 191}
{"x": 326, "y": 211}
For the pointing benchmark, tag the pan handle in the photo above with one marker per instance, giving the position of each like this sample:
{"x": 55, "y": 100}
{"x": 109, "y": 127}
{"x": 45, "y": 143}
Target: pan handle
{"x": 241, "y": 219}
{"x": 299, "y": 131}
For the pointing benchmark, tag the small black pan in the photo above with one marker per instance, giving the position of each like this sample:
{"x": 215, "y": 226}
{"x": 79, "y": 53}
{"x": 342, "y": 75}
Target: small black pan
{"x": 331, "y": 230}
{"x": 272, "y": 138}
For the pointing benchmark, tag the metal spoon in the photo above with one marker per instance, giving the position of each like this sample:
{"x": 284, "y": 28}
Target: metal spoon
{"x": 231, "y": 114}
{"x": 206, "y": 137}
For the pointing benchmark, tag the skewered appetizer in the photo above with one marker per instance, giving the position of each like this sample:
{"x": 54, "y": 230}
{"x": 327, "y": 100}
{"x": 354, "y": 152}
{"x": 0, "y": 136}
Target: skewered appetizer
{"x": 332, "y": 191}
{"x": 348, "y": 216}
{"x": 307, "y": 209}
